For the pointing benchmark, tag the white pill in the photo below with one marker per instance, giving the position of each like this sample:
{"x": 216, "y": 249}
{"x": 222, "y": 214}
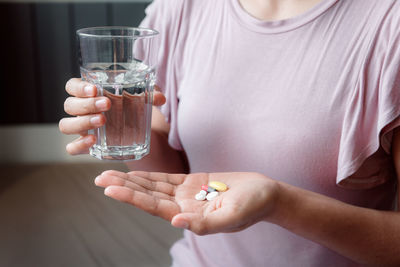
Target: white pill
{"x": 212, "y": 195}
{"x": 203, "y": 192}
{"x": 200, "y": 196}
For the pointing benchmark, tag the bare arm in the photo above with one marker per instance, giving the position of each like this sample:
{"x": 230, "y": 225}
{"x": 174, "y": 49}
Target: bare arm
{"x": 365, "y": 235}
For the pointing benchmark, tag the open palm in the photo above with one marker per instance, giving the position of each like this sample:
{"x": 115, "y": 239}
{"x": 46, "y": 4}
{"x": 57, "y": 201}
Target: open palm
{"x": 171, "y": 196}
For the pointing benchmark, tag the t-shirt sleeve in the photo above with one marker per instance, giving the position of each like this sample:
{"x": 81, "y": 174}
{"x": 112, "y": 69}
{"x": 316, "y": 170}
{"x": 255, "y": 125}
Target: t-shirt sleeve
{"x": 165, "y": 17}
{"x": 373, "y": 111}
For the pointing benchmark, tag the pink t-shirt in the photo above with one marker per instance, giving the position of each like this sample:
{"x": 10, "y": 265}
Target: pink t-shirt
{"x": 311, "y": 101}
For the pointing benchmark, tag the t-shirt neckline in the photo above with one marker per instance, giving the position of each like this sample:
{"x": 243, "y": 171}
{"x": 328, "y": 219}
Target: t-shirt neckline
{"x": 279, "y": 26}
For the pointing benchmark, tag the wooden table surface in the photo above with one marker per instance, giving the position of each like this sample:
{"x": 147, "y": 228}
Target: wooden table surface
{"x": 54, "y": 215}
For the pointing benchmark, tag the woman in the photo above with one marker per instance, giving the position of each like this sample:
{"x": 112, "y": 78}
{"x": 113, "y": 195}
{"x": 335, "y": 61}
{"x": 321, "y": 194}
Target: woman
{"x": 294, "y": 105}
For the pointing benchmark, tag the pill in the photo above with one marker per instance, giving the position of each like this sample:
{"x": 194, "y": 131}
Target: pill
{"x": 200, "y": 196}
{"x": 211, "y": 189}
{"x": 221, "y": 187}
{"x": 204, "y": 187}
{"x": 203, "y": 192}
{"x": 212, "y": 195}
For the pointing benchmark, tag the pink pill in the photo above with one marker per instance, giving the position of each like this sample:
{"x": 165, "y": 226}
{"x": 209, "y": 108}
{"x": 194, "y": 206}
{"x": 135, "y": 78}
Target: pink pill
{"x": 204, "y": 187}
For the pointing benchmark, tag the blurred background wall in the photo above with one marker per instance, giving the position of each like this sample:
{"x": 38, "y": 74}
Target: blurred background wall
{"x": 38, "y": 44}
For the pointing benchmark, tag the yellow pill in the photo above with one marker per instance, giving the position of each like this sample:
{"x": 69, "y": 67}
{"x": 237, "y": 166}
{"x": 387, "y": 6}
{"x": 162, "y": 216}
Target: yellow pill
{"x": 221, "y": 187}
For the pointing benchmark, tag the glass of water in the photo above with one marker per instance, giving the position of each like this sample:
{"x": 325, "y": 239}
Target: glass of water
{"x": 121, "y": 62}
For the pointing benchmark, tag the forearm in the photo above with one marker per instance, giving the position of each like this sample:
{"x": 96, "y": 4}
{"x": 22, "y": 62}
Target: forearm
{"x": 364, "y": 235}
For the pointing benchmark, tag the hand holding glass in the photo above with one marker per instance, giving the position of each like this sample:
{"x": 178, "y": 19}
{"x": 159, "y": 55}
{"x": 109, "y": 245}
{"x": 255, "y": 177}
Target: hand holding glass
{"x": 120, "y": 61}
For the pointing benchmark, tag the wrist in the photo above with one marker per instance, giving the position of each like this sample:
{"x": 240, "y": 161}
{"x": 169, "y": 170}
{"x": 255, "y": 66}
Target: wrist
{"x": 283, "y": 204}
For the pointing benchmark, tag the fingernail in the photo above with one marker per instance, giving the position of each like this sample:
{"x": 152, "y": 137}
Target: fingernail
{"x": 87, "y": 140}
{"x": 96, "y": 180}
{"x": 182, "y": 224}
{"x": 89, "y": 90}
{"x": 84, "y": 140}
{"x": 90, "y": 140}
{"x": 101, "y": 104}
{"x": 107, "y": 191}
{"x": 95, "y": 120}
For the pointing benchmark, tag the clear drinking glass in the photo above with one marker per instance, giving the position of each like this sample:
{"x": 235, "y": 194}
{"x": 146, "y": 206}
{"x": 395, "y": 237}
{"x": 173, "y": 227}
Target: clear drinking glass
{"x": 121, "y": 62}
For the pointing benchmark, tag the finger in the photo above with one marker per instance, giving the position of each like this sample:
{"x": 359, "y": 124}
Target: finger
{"x": 146, "y": 181}
{"x": 81, "y": 145}
{"x": 174, "y": 179}
{"x": 77, "y": 87}
{"x": 76, "y": 125}
{"x": 153, "y": 185}
{"x": 83, "y": 106}
{"x": 158, "y": 98}
{"x": 123, "y": 175}
{"x": 165, "y": 209}
{"x": 109, "y": 180}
